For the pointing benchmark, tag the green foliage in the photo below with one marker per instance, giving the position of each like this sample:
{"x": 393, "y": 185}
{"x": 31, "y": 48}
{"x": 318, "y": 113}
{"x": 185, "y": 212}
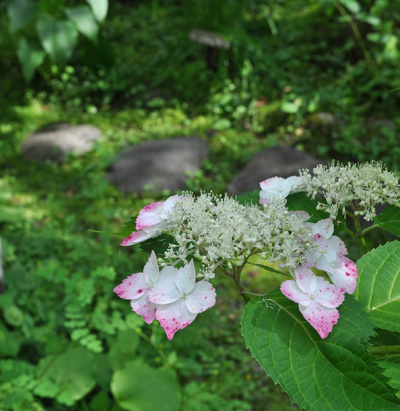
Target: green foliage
{"x": 30, "y": 22}
{"x": 251, "y": 197}
{"x": 293, "y": 354}
{"x": 159, "y": 244}
{"x": 121, "y": 77}
{"x": 68, "y": 376}
{"x": 58, "y": 38}
{"x": 138, "y": 387}
{"x": 84, "y": 20}
{"x": 389, "y": 219}
{"x": 378, "y": 290}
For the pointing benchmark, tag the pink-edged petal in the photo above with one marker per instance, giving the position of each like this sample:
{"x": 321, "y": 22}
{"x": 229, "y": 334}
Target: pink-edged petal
{"x": 323, "y": 227}
{"x": 150, "y": 215}
{"x": 186, "y": 278}
{"x": 139, "y": 236}
{"x": 174, "y": 317}
{"x": 345, "y": 275}
{"x": 275, "y": 187}
{"x": 165, "y": 291}
{"x": 338, "y": 245}
{"x": 170, "y": 203}
{"x": 272, "y": 183}
{"x": 151, "y": 271}
{"x": 290, "y": 289}
{"x": 132, "y": 287}
{"x": 201, "y": 298}
{"x": 320, "y": 318}
{"x": 306, "y": 280}
{"x": 145, "y": 308}
{"x": 328, "y": 295}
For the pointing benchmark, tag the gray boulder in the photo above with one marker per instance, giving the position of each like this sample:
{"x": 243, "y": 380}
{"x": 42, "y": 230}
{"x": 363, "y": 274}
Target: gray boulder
{"x": 158, "y": 165}
{"x": 281, "y": 161}
{"x": 55, "y": 141}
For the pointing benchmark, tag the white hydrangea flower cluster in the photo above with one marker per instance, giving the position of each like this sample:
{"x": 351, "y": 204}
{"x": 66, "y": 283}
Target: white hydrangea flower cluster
{"x": 364, "y": 185}
{"x": 217, "y": 229}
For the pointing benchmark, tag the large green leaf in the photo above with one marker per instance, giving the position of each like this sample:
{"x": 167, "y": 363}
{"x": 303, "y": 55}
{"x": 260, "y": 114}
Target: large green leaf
{"x": 332, "y": 374}
{"x": 100, "y": 8}
{"x": 378, "y": 287}
{"x": 83, "y": 17}
{"x": 139, "y": 387}
{"x": 30, "y": 55}
{"x": 58, "y": 37}
{"x": 389, "y": 220}
{"x": 20, "y": 12}
{"x": 72, "y": 372}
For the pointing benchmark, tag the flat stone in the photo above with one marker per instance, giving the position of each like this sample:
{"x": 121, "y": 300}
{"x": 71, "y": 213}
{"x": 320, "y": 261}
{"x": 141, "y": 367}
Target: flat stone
{"x": 280, "y": 161}
{"x": 158, "y": 165}
{"x": 55, "y": 141}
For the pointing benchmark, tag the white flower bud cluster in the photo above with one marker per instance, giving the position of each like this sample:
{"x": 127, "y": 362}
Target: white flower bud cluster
{"x": 363, "y": 185}
{"x": 217, "y": 230}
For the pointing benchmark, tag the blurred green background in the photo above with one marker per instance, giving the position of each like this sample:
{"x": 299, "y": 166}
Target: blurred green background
{"x": 318, "y": 75}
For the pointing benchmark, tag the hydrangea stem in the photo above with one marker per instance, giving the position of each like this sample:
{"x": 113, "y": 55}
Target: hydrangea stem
{"x": 358, "y": 230}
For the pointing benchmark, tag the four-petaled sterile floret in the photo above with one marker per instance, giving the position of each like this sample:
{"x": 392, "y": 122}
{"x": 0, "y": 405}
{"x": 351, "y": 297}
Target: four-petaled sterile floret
{"x": 317, "y": 298}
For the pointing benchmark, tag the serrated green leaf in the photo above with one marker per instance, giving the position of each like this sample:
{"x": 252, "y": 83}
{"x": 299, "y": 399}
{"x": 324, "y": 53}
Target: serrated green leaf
{"x": 332, "y": 374}
{"x": 83, "y": 17}
{"x": 302, "y": 202}
{"x": 58, "y": 37}
{"x": 30, "y": 55}
{"x": 20, "y": 13}
{"x": 389, "y": 220}
{"x": 392, "y": 371}
{"x": 378, "y": 287}
{"x": 100, "y": 8}
{"x": 251, "y": 197}
{"x": 139, "y": 387}
{"x": 159, "y": 244}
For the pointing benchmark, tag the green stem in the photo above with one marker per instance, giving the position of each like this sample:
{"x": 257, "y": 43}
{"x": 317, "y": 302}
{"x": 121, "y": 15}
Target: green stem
{"x": 384, "y": 350}
{"x": 350, "y": 214}
{"x": 372, "y": 227}
{"x": 152, "y": 341}
{"x": 349, "y": 232}
{"x": 359, "y": 232}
